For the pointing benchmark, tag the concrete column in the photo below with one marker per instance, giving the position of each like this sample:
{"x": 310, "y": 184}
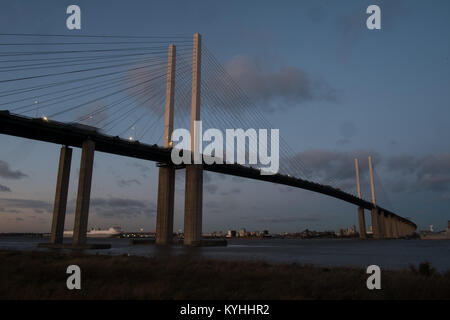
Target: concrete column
{"x": 166, "y": 193}
{"x": 388, "y": 226}
{"x": 381, "y": 225}
{"x": 372, "y": 184}
{"x": 375, "y": 224}
{"x": 394, "y": 221}
{"x": 194, "y": 172}
{"x": 410, "y": 229}
{"x": 84, "y": 193}
{"x": 166, "y": 183}
{"x": 62, "y": 188}
{"x": 402, "y": 229}
{"x": 362, "y": 223}
{"x": 193, "y": 205}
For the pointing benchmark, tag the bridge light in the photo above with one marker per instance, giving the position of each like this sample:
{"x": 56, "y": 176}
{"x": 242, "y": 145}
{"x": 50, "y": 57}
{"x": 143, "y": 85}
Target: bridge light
{"x": 44, "y": 118}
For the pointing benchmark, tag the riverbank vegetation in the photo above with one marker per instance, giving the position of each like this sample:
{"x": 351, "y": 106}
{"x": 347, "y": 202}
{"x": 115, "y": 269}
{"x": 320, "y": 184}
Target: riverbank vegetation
{"x": 42, "y": 275}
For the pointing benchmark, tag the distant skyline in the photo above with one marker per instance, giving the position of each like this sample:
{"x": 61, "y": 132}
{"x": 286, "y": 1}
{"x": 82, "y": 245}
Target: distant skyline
{"x": 334, "y": 89}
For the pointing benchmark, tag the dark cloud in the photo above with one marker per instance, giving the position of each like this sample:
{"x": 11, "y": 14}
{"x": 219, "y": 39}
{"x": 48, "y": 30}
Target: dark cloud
{"x": 122, "y": 208}
{"x": 20, "y": 205}
{"x": 213, "y": 205}
{"x": 333, "y": 167}
{"x": 4, "y": 210}
{"x": 403, "y": 163}
{"x": 428, "y": 173}
{"x": 400, "y": 173}
{"x": 434, "y": 172}
{"x": 306, "y": 218}
{"x": 141, "y": 167}
{"x": 127, "y": 183}
{"x": 234, "y": 190}
{"x": 7, "y": 173}
{"x": 4, "y": 188}
{"x": 211, "y": 188}
{"x": 287, "y": 86}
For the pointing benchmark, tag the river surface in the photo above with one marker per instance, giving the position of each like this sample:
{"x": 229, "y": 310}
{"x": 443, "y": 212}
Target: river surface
{"x": 389, "y": 254}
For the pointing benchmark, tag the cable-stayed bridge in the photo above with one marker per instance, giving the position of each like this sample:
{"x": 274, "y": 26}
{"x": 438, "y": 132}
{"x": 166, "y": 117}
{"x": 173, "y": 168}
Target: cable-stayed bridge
{"x": 125, "y": 95}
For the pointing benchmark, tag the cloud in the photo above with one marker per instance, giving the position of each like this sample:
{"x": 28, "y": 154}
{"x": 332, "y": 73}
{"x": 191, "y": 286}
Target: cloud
{"x": 402, "y": 163}
{"x": 7, "y": 173}
{"x": 127, "y": 183}
{"x": 20, "y": 205}
{"x": 287, "y": 86}
{"x": 213, "y": 205}
{"x": 141, "y": 167}
{"x": 211, "y": 188}
{"x": 434, "y": 172}
{"x": 4, "y": 188}
{"x": 333, "y": 166}
{"x": 122, "y": 208}
{"x": 306, "y": 218}
{"x": 234, "y": 190}
{"x": 400, "y": 173}
{"x": 427, "y": 173}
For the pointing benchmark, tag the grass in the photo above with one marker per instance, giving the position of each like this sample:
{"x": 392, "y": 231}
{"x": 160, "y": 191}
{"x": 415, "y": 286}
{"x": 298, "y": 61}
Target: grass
{"x": 42, "y": 275}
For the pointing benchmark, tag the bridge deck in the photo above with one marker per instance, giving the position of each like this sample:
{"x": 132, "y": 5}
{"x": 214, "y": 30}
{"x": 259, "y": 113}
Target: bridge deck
{"x": 74, "y": 135}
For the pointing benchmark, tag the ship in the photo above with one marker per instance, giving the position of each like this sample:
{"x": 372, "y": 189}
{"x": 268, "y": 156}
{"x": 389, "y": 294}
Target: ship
{"x": 431, "y": 235}
{"x": 99, "y": 233}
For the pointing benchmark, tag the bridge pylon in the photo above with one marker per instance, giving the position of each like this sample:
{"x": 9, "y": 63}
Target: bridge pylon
{"x": 194, "y": 172}
{"x": 62, "y": 188}
{"x": 166, "y": 181}
{"x": 361, "y": 219}
{"x": 84, "y": 193}
{"x": 377, "y": 215}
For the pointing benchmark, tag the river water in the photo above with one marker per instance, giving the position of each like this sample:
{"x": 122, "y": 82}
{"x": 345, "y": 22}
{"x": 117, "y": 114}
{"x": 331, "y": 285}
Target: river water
{"x": 388, "y": 254}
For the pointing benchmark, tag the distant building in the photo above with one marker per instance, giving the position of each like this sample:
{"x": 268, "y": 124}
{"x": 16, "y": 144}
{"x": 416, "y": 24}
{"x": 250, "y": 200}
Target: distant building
{"x": 242, "y": 232}
{"x": 231, "y": 234}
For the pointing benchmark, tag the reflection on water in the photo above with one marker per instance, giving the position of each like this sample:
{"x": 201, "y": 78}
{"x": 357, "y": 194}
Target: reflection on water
{"x": 392, "y": 254}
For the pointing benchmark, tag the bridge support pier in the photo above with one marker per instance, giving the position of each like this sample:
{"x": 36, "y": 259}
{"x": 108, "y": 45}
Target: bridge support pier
{"x": 402, "y": 229}
{"x": 84, "y": 193}
{"x": 395, "y": 227}
{"x": 362, "y": 223}
{"x": 388, "y": 226}
{"x": 164, "y": 218}
{"x": 62, "y": 188}
{"x": 193, "y": 205}
{"x": 375, "y": 223}
{"x": 382, "y": 224}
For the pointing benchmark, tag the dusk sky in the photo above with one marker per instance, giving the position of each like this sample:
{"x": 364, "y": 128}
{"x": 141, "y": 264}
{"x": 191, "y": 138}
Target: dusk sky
{"x": 335, "y": 89}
